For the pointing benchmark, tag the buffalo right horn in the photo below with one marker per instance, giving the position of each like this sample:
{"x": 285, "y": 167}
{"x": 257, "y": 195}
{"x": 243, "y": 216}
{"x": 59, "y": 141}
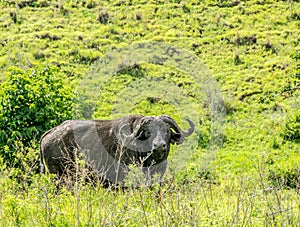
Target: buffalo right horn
{"x": 172, "y": 123}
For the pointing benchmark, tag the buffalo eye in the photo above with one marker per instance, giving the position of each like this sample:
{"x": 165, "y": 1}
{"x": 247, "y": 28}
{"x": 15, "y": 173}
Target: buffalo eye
{"x": 144, "y": 135}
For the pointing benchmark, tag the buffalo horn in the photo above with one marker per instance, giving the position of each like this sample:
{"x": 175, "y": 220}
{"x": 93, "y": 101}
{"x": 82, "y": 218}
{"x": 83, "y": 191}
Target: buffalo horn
{"x": 175, "y": 126}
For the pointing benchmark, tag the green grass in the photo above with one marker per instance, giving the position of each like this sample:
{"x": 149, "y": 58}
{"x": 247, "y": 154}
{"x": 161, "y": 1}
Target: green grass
{"x": 252, "y": 51}
{"x": 242, "y": 202}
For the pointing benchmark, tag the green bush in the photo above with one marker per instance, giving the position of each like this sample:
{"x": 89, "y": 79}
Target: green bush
{"x": 31, "y": 102}
{"x": 292, "y": 128}
{"x": 288, "y": 177}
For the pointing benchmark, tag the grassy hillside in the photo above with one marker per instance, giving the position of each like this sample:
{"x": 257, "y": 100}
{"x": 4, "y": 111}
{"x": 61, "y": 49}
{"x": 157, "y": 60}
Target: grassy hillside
{"x": 240, "y": 169}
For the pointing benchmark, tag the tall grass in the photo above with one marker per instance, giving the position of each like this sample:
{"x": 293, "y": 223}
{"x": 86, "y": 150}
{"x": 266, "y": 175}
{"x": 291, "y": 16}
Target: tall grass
{"x": 244, "y": 200}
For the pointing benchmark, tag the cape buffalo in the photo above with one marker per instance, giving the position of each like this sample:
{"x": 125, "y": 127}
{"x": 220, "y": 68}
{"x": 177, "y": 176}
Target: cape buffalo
{"x": 109, "y": 147}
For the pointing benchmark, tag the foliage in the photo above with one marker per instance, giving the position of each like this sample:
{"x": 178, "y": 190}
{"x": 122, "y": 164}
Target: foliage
{"x": 31, "y": 102}
{"x": 291, "y": 131}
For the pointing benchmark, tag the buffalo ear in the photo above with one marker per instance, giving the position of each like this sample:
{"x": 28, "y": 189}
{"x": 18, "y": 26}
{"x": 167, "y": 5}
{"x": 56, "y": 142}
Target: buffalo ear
{"x": 175, "y": 138}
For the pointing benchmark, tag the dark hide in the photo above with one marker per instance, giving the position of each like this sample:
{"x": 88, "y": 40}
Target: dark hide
{"x": 109, "y": 146}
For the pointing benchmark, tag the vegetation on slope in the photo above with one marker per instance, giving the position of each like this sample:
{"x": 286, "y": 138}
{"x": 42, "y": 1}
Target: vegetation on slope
{"x": 252, "y": 51}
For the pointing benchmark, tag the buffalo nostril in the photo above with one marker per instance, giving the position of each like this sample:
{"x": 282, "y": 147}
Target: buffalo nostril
{"x": 161, "y": 145}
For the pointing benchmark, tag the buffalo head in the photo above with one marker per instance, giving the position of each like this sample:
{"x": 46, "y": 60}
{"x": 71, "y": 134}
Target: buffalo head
{"x": 151, "y": 137}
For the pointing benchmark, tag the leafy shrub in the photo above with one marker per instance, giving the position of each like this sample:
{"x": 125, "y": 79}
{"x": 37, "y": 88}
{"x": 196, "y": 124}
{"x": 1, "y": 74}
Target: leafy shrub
{"x": 295, "y": 16}
{"x": 31, "y": 102}
{"x": 297, "y": 73}
{"x": 289, "y": 178}
{"x": 15, "y": 17}
{"x": 291, "y": 131}
{"x": 135, "y": 71}
{"x": 296, "y": 57}
{"x": 25, "y": 161}
{"x": 245, "y": 41}
{"x": 222, "y": 3}
{"x": 103, "y": 17}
